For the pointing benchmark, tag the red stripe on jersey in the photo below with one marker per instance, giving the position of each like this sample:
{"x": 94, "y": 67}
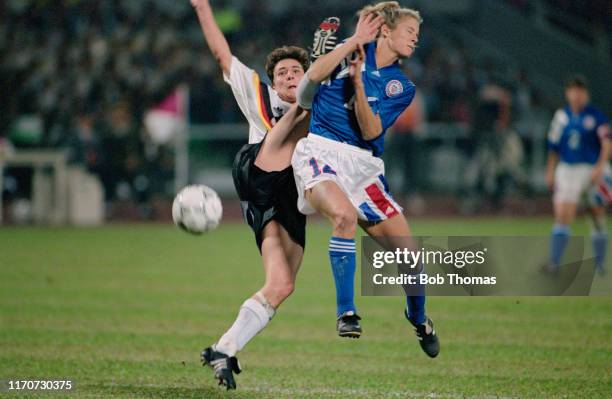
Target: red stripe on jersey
{"x": 381, "y": 202}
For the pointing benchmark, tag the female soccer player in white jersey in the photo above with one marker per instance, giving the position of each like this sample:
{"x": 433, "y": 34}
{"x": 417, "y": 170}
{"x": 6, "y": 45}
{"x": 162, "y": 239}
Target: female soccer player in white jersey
{"x": 338, "y": 169}
{"x": 261, "y": 104}
{"x": 579, "y": 149}
{"x": 264, "y": 178}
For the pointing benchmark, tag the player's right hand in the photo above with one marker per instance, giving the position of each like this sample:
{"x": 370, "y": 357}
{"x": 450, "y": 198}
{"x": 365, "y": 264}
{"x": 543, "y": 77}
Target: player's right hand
{"x": 367, "y": 28}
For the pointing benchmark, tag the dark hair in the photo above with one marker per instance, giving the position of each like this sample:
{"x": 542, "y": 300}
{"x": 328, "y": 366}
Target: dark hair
{"x": 282, "y": 53}
{"x": 576, "y": 81}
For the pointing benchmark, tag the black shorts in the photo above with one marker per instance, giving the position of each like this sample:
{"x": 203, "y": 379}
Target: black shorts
{"x": 266, "y": 196}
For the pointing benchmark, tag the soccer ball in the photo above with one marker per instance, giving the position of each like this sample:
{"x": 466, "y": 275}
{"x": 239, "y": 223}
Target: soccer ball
{"x": 197, "y": 209}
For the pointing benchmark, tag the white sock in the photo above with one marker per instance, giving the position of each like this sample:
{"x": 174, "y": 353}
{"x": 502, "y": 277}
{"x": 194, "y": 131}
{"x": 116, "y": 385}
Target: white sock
{"x": 252, "y": 318}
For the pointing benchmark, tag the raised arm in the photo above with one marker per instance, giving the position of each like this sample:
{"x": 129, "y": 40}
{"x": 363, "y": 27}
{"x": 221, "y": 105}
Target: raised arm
{"x": 365, "y": 32}
{"x": 213, "y": 35}
{"x": 370, "y": 124}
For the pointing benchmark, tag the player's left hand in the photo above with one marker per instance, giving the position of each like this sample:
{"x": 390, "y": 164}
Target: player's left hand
{"x": 367, "y": 28}
{"x": 597, "y": 174}
{"x": 356, "y": 64}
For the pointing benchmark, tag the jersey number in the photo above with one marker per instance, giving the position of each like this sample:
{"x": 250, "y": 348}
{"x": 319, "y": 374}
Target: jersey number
{"x": 574, "y": 140}
{"x": 316, "y": 171}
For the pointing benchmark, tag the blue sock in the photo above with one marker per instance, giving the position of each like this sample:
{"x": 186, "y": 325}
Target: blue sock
{"x": 558, "y": 240}
{"x": 342, "y": 259}
{"x": 600, "y": 244}
{"x": 415, "y": 305}
{"x": 415, "y": 302}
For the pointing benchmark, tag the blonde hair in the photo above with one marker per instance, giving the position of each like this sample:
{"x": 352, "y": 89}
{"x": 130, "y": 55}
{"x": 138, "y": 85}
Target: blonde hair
{"x": 391, "y": 12}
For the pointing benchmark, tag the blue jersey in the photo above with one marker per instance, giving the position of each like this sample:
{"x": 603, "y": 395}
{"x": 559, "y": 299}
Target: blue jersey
{"x": 388, "y": 90}
{"x": 576, "y": 137}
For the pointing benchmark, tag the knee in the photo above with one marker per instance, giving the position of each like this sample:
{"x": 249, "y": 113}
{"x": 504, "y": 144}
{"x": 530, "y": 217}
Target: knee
{"x": 344, "y": 220}
{"x": 563, "y": 217}
{"x": 564, "y": 220}
{"x": 286, "y": 289}
{"x": 281, "y": 291}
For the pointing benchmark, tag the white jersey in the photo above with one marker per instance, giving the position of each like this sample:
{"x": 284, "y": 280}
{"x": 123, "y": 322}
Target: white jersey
{"x": 259, "y": 102}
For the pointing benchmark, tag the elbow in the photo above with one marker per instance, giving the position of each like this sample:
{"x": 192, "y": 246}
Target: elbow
{"x": 370, "y": 129}
{"x": 372, "y": 133}
{"x": 376, "y": 130}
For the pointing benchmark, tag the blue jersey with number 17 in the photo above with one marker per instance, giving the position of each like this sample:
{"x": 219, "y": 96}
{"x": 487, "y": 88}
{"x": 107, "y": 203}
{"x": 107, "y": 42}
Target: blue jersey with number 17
{"x": 388, "y": 90}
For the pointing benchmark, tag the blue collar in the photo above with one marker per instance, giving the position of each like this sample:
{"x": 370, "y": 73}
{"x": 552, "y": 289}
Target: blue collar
{"x": 584, "y": 111}
{"x": 370, "y": 51}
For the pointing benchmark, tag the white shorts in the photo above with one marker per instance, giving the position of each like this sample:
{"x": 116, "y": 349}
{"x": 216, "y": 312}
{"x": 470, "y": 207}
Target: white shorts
{"x": 356, "y": 171}
{"x": 571, "y": 181}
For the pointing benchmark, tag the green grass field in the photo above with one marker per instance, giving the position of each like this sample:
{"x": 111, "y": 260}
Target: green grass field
{"x": 124, "y": 311}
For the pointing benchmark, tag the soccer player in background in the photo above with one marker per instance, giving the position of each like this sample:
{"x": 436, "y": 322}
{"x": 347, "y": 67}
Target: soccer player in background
{"x": 264, "y": 178}
{"x": 578, "y": 153}
{"x": 338, "y": 168}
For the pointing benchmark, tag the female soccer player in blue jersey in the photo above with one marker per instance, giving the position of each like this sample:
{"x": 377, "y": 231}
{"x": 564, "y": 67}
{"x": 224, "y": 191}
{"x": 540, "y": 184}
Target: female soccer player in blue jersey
{"x": 579, "y": 149}
{"x": 338, "y": 170}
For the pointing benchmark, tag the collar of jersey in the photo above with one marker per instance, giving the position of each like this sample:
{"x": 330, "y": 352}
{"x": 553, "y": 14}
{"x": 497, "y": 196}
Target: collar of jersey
{"x": 371, "y": 57}
{"x": 585, "y": 111}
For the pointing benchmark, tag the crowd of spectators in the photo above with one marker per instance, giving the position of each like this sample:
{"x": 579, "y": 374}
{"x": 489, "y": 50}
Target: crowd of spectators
{"x": 590, "y": 21}
{"x": 598, "y": 12}
{"x": 88, "y": 71}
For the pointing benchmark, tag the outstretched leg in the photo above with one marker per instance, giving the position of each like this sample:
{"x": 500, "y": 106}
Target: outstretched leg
{"x": 281, "y": 258}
